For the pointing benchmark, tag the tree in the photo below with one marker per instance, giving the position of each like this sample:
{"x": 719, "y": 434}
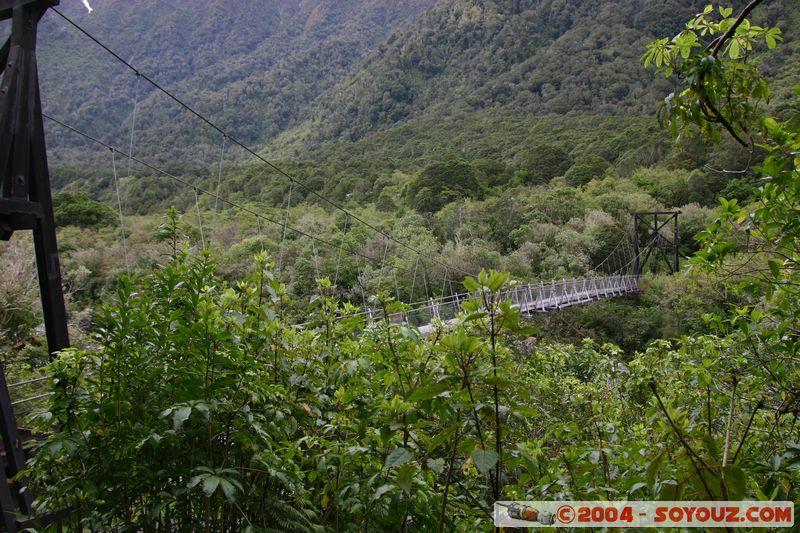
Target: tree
{"x": 541, "y": 163}
{"x": 585, "y": 170}
{"x": 749, "y": 370}
{"x": 442, "y": 183}
{"x": 77, "y": 209}
{"x": 719, "y": 94}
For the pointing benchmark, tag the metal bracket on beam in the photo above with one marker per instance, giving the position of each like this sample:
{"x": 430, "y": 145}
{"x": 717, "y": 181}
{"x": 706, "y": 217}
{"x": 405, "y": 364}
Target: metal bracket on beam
{"x": 20, "y": 207}
{"x": 18, "y": 215}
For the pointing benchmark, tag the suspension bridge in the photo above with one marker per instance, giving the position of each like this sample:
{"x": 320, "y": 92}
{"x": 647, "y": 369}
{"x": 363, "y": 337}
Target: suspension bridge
{"x": 25, "y": 204}
{"x": 529, "y": 298}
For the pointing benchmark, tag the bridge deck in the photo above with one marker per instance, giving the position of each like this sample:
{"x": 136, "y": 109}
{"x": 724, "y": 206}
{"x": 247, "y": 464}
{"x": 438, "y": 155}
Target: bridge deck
{"x": 530, "y": 298}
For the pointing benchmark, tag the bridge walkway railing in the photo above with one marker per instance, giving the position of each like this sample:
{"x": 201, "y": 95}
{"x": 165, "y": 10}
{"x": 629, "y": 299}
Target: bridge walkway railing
{"x": 531, "y": 298}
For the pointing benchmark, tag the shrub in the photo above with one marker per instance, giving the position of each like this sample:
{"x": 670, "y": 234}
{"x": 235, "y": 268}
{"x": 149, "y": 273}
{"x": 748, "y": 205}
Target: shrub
{"x": 76, "y": 209}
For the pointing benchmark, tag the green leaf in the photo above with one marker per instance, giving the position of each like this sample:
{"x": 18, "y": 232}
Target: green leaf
{"x": 471, "y": 284}
{"x": 711, "y": 447}
{"x": 735, "y": 481}
{"x": 210, "y": 484}
{"x": 397, "y": 457}
{"x": 229, "y": 489}
{"x": 437, "y": 465}
{"x": 771, "y": 125}
{"x": 179, "y": 416}
{"x": 525, "y": 410}
{"x": 383, "y": 489}
{"x": 431, "y": 391}
{"x": 652, "y": 469}
{"x": 442, "y": 436}
{"x": 405, "y": 477}
{"x": 476, "y": 316}
{"x": 496, "y": 280}
{"x": 774, "y": 268}
{"x": 484, "y": 459}
{"x": 733, "y": 49}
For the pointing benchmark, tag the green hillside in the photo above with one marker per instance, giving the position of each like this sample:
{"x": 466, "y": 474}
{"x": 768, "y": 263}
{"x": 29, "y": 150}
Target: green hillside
{"x": 252, "y": 67}
{"x": 362, "y": 87}
{"x": 520, "y": 58}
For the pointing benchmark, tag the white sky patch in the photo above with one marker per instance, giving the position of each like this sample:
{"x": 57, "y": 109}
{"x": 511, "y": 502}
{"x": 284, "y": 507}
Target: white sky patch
{"x": 86, "y": 4}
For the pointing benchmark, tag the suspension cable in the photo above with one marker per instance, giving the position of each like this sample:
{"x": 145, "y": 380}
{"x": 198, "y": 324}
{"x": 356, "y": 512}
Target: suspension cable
{"x": 413, "y": 282}
{"x": 360, "y": 284}
{"x": 396, "y": 286}
{"x": 199, "y": 218}
{"x": 316, "y": 259}
{"x": 121, "y": 217}
{"x": 285, "y": 224}
{"x": 131, "y": 136}
{"x": 260, "y": 231}
{"x": 219, "y": 171}
{"x": 339, "y": 253}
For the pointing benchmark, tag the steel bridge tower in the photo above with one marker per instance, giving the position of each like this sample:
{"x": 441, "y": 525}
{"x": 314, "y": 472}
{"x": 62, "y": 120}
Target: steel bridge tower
{"x": 25, "y": 204}
{"x": 648, "y": 237}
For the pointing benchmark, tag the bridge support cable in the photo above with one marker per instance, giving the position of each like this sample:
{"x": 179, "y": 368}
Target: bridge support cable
{"x": 121, "y": 215}
{"x": 425, "y": 281}
{"x": 260, "y": 233}
{"x": 285, "y": 225}
{"x": 219, "y": 171}
{"x": 383, "y": 260}
{"x": 396, "y": 287}
{"x": 131, "y": 137}
{"x": 316, "y": 259}
{"x": 339, "y": 253}
{"x": 360, "y": 283}
{"x": 199, "y": 218}
{"x": 413, "y": 282}
{"x": 605, "y": 264}
{"x": 223, "y": 200}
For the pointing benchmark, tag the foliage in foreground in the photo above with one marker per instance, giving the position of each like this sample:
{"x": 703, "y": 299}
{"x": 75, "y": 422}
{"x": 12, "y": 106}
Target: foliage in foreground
{"x": 202, "y": 408}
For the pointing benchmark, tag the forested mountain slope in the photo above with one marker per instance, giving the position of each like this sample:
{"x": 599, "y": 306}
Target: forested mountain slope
{"x": 294, "y": 74}
{"x": 526, "y": 56}
{"x": 252, "y": 65}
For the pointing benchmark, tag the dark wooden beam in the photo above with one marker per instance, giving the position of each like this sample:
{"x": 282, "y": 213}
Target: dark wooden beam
{"x": 7, "y": 6}
{"x": 24, "y": 175}
{"x": 18, "y": 207}
{"x": 26, "y": 203}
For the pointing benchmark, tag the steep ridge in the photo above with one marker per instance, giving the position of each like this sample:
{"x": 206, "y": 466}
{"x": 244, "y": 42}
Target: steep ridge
{"x": 294, "y": 76}
{"x": 537, "y": 56}
{"x": 252, "y": 65}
